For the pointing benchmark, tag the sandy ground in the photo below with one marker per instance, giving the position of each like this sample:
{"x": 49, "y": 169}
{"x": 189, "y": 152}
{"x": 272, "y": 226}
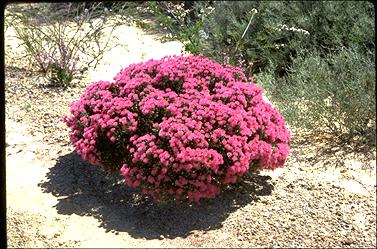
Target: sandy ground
{"x": 325, "y": 196}
{"x": 32, "y": 211}
{"x": 138, "y": 47}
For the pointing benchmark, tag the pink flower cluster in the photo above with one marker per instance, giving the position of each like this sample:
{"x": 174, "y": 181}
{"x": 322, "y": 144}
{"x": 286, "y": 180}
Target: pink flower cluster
{"x": 179, "y": 128}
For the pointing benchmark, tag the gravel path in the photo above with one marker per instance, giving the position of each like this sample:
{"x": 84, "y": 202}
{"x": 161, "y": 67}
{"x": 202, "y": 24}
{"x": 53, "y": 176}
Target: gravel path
{"x": 324, "y": 197}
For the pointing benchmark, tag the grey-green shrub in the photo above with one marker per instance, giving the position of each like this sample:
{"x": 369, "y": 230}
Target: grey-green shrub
{"x": 303, "y": 53}
{"x": 281, "y": 29}
{"x": 333, "y": 94}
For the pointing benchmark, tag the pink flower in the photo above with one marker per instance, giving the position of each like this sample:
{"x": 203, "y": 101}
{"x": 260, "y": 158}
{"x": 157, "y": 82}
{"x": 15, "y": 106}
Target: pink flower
{"x": 179, "y": 127}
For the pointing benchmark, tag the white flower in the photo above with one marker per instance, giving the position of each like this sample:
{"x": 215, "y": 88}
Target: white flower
{"x": 277, "y": 46}
{"x": 203, "y": 34}
{"x": 255, "y": 11}
{"x": 285, "y": 27}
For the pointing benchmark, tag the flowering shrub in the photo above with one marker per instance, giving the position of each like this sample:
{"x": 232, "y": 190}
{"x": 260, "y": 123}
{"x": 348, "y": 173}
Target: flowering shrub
{"x": 179, "y": 128}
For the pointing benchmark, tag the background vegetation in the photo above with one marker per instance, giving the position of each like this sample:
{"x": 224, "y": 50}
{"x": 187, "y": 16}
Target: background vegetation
{"x": 315, "y": 60}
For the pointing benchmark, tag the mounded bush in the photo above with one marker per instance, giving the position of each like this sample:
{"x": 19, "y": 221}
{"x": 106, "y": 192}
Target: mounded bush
{"x": 179, "y": 128}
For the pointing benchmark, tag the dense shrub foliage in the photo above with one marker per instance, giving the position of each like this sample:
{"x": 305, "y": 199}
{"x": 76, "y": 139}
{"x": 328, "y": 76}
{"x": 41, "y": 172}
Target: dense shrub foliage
{"x": 301, "y": 51}
{"x": 179, "y": 128}
{"x": 280, "y": 30}
{"x": 336, "y": 93}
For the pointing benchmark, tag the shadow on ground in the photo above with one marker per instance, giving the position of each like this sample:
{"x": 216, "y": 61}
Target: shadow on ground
{"x": 86, "y": 190}
{"x": 331, "y": 150}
